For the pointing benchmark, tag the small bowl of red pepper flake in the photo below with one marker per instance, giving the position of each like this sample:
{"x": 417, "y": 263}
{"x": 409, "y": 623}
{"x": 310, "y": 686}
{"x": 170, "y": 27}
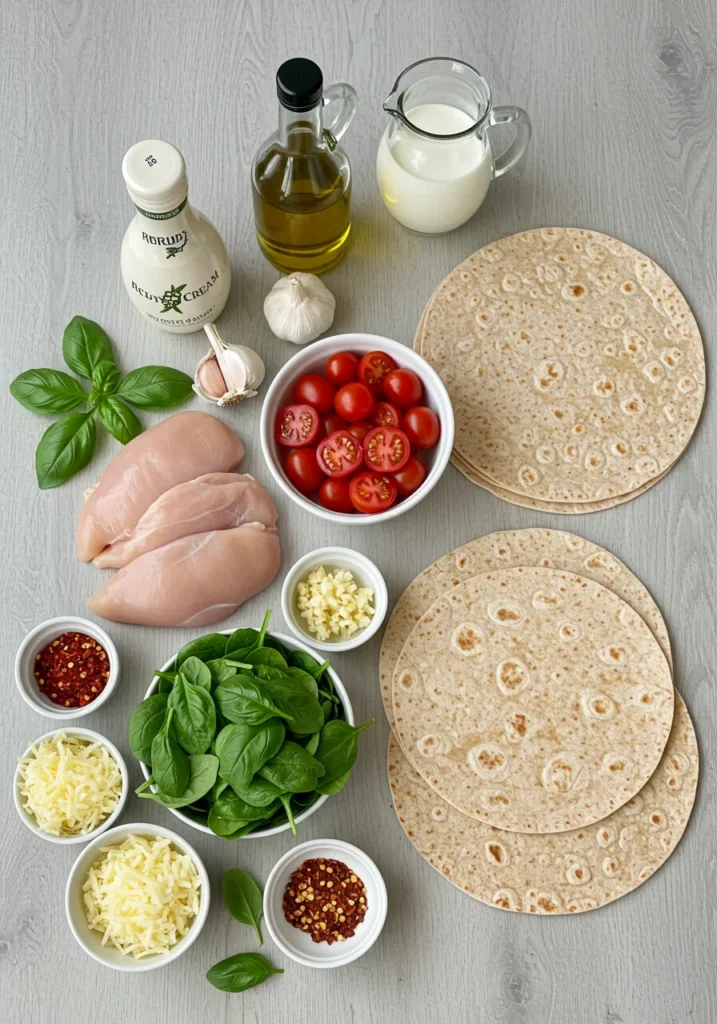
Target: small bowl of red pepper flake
{"x": 325, "y": 903}
{"x": 66, "y": 667}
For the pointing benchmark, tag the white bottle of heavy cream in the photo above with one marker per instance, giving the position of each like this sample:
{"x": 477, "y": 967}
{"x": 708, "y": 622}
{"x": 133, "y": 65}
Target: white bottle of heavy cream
{"x": 174, "y": 263}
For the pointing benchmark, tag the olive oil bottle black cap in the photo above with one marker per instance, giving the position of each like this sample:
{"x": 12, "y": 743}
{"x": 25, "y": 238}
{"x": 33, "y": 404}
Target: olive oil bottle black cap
{"x": 299, "y": 84}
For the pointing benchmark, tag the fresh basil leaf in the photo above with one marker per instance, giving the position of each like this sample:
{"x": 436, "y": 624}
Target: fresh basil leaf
{"x": 202, "y": 776}
{"x": 292, "y": 770}
{"x": 303, "y": 709}
{"x": 84, "y": 345}
{"x": 242, "y": 898}
{"x": 195, "y": 719}
{"x": 230, "y": 812}
{"x": 206, "y": 648}
{"x": 170, "y": 765}
{"x": 47, "y": 391}
{"x": 240, "y": 972}
{"x": 155, "y": 387}
{"x": 259, "y": 792}
{"x": 196, "y": 673}
{"x": 118, "y": 419}
{"x": 144, "y": 723}
{"x": 105, "y": 377}
{"x": 246, "y": 748}
{"x": 65, "y": 448}
{"x": 337, "y": 750}
{"x": 243, "y": 699}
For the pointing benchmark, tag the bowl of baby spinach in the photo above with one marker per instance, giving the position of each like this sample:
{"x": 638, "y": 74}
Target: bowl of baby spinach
{"x": 244, "y": 733}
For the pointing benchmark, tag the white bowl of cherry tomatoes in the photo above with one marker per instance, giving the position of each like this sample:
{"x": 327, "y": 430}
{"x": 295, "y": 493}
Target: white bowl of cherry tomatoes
{"x": 357, "y": 428}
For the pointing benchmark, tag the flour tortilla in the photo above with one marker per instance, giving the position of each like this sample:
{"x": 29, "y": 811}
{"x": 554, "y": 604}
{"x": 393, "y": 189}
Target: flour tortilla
{"x": 509, "y": 548}
{"x": 569, "y": 872}
{"x": 533, "y": 699}
{"x": 574, "y": 364}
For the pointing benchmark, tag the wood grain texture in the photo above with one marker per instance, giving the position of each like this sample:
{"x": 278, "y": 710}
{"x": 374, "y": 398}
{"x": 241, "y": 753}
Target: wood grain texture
{"x": 622, "y": 94}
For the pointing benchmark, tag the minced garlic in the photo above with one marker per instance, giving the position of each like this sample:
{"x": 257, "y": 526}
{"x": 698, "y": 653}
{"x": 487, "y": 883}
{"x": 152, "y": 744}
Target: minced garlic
{"x": 333, "y": 605}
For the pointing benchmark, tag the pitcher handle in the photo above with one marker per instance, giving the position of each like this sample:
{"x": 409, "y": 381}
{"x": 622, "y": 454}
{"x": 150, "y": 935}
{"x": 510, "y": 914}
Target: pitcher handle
{"x": 511, "y": 156}
{"x": 339, "y": 108}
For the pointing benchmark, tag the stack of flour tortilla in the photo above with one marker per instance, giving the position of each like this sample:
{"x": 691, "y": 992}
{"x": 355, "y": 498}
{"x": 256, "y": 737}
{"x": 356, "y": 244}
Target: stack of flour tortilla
{"x": 574, "y": 365}
{"x": 540, "y": 756}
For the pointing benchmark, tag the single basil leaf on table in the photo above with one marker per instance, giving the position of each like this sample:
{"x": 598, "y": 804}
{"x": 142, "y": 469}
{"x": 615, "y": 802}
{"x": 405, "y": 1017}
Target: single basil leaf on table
{"x": 65, "y": 448}
{"x": 196, "y": 672}
{"x": 240, "y": 972}
{"x": 246, "y": 748}
{"x": 170, "y": 764}
{"x": 144, "y": 723}
{"x": 242, "y": 898}
{"x": 206, "y": 648}
{"x": 259, "y": 792}
{"x": 229, "y": 812}
{"x": 105, "y": 377}
{"x": 155, "y": 387}
{"x": 118, "y": 419}
{"x": 304, "y": 709}
{"x": 195, "y": 719}
{"x": 47, "y": 391}
{"x": 202, "y": 776}
{"x": 84, "y": 345}
{"x": 243, "y": 699}
{"x": 337, "y": 750}
{"x": 292, "y": 769}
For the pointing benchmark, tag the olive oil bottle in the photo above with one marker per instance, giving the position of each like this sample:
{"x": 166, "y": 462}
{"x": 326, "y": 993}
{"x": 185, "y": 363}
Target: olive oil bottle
{"x": 301, "y": 180}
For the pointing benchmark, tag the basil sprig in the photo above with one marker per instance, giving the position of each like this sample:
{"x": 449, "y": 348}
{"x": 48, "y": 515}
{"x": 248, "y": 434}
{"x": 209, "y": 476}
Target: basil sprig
{"x": 67, "y": 445}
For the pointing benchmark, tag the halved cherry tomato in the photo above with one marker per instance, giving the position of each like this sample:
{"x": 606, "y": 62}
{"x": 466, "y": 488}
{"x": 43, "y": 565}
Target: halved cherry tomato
{"x": 386, "y": 449}
{"x": 354, "y": 402}
{"x": 303, "y": 470}
{"x": 422, "y": 427}
{"x": 334, "y": 494}
{"x": 359, "y": 429}
{"x": 386, "y": 415}
{"x": 372, "y": 492}
{"x": 342, "y": 367}
{"x": 403, "y": 387}
{"x": 331, "y": 423}
{"x": 373, "y": 368}
{"x": 410, "y": 478}
{"x": 339, "y": 454}
{"x": 297, "y": 426}
{"x": 313, "y": 389}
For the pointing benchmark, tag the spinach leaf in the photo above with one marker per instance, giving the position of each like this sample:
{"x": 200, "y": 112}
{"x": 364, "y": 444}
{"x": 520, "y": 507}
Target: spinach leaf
{"x": 47, "y": 391}
{"x": 246, "y": 748}
{"x": 303, "y": 678}
{"x": 230, "y": 812}
{"x": 242, "y": 898}
{"x": 165, "y": 684}
{"x": 84, "y": 345}
{"x": 304, "y": 710}
{"x": 155, "y": 387}
{"x": 144, "y": 723}
{"x": 105, "y": 377}
{"x": 292, "y": 770}
{"x": 300, "y": 659}
{"x": 118, "y": 419}
{"x": 243, "y": 699}
{"x": 286, "y": 801}
{"x": 170, "y": 765}
{"x": 240, "y": 639}
{"x": 195, "y": 719}
{"x": 259, "y": 792}
{"x": 240, "y": 972}
{"x": 220, "y": 671}
{"x": 65, "y": 448}
{"x": 196, "y": 673}
{"x": 337, "y": 750}
{"x": 220, "y": 739}
{"x": 328, "y": 709}
{"x": 271, "y": 641}
{"x": 264, "y": 627}
{"x": 266, "y": 656}
{"x": 206, "y": 648}
{"x": 202, "y": 776}
{"x": 217, "y": 789}
{"x": 312, "y": 745}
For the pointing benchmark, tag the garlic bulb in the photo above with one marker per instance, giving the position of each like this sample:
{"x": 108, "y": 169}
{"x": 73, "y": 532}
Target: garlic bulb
{"x": 228, "y": 373}
{"x": 299, "y": 308}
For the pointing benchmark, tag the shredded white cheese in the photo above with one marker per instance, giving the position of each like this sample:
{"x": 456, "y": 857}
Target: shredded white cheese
{"x": 69, "y": 785}
{"x": 142, "y": 895}
{"x": 333, "y": 605}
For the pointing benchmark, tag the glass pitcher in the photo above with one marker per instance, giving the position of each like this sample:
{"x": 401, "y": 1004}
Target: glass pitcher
{"x": 301, "y": 179}
{"x": 434, "y": 162}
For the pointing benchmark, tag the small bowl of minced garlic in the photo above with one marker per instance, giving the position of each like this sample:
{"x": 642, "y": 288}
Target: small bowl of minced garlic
{"x": 335, "y": 599}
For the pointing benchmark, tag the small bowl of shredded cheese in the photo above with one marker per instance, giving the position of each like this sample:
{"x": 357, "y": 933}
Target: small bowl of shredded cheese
{"x": 334, "y": 598}
{"x": 137, "y": 897}
{"x": 70, "y": 785}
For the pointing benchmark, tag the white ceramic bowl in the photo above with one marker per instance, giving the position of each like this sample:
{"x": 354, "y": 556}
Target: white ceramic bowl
{"x": 365, "y": 573}
{"x": 312, "y": 359}
{"x": 93, "y": 737}
{"x": 90, "y": 940}
{"x": 38, "y": 638}
{"x": 299, "y": 945}
{"x": 291, "y": 645}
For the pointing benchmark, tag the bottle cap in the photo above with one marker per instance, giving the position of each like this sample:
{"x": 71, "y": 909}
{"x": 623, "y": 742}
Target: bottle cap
{"x": 156, "y": 178}
{"x": 299, "y": 84}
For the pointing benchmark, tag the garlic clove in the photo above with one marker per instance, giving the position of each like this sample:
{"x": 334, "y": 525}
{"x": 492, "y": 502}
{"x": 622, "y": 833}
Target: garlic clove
{"x": 210, "y": 378}
{"x": 299, "y": 308}
{"x": 228, "y": 373}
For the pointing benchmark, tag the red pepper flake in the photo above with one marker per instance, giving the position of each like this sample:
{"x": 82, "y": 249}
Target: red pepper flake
{"x": 326, "y": 899}
{"x": 72, "y": 670}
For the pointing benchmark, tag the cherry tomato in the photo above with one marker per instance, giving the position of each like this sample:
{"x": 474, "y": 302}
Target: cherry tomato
{"x": 303, "y": 470}
{"x": 297, "y": 425}
{"x": 422, "y": 427}
{"x": 313, "y": 389}
{"x": 373, "y": 368}
{"x": 359, "y": 429}
{"x": 334, "y": 495}
{"x": 386, "y": 449}
{"x": 339, "y": 454}
{"x": 331, "y": 423}
{"x": 386, "y": 415}
{"x": 410, "y": 478}
{"x": 354, "y": 402}
{"x": 342, "y": 367}
{"x": 403, "y": 387}
{"x": 372, "y": 492}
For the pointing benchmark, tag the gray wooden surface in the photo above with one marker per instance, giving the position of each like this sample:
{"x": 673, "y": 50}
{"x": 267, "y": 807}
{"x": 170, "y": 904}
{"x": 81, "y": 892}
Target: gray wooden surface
{"x": 623, "y": 95}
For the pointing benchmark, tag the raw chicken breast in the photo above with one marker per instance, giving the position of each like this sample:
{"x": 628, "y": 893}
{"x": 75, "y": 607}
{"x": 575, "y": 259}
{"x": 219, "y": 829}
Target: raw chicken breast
{"x": 215, "y": 501}
{"x": 194, "y": 581}
{"x": 178, "y": 449}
